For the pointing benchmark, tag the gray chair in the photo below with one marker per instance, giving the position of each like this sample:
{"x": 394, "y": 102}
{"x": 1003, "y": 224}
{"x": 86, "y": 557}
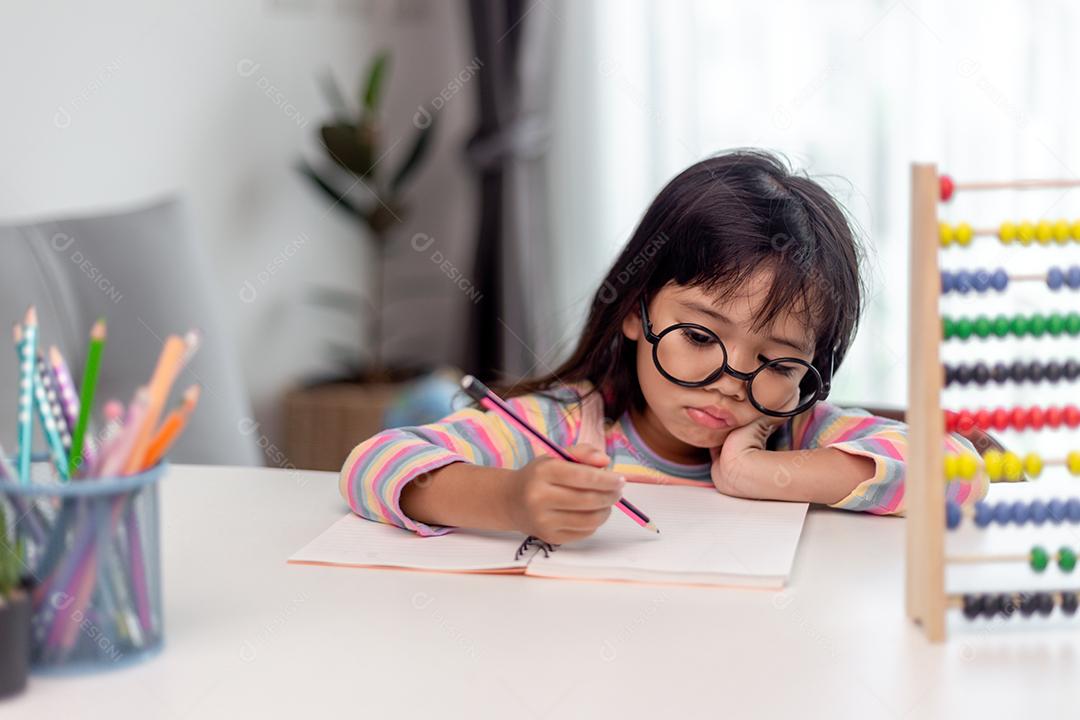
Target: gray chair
{"x": 142, "y": 272}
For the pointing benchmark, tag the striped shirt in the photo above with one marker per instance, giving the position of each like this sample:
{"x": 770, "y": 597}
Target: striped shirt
{"x": 377, "y": 469}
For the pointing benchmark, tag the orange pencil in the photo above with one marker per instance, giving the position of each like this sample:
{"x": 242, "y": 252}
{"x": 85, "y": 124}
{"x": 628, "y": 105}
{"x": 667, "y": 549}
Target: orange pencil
{"x": 168, "y": 367}
{"x": 172, "y": 427}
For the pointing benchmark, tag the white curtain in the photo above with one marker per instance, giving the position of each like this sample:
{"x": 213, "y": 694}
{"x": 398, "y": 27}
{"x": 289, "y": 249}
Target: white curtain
{"x": 851, "y": 92}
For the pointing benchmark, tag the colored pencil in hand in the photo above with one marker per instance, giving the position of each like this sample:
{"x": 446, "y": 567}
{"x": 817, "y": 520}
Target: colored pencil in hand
{"x": 480, "y": 392}
{"x": 86, "y": 398}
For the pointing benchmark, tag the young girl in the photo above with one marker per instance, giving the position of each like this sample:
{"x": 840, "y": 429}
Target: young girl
{"x": 706, "y": 360}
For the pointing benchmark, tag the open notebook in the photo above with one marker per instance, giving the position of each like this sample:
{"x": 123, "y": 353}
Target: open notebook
{"x": 706, "y": 539}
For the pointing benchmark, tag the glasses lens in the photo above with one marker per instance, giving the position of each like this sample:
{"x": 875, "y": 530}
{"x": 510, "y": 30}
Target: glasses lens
{"x": 689, "y": 353}
{"x": 781, "y": 384}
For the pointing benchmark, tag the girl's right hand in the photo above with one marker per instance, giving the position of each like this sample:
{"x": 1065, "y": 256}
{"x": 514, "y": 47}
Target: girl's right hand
{"x": 559, "y": 501}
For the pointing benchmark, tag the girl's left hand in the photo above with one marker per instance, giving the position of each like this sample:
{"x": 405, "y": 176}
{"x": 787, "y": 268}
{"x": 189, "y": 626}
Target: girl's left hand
{"x": 733, "y": 460}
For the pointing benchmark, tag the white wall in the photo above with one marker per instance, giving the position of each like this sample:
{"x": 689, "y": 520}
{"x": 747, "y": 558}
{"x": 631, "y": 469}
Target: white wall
{"x": 119, "y": 101}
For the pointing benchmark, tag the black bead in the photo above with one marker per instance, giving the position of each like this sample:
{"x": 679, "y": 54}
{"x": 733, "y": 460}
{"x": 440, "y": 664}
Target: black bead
{"x": 950, "y": 375}
{"x": 1010, "y": 604}
{"x": 1044, "y": 603}
{"x": 981, "y": 373}
{"x": 973, "y": 605}
{"x": 963, "y": 374}
{"x": 1027, "y": 604}
{"x": 992, "y": 605}
{"x": 1000, "y": 373}
{"x": 1053, "y": 371}
{"x": 1068, "y": 603}
{"x": 1035, "y": 371}
{"x": 1018, "y": 371}
{"x": 1072, "y": 369}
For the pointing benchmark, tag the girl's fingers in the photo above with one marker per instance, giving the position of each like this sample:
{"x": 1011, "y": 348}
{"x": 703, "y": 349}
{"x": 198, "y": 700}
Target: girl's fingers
{"x": 590, "y": 455}
{"x": 586, "y": 478}
{"x": 585, "y": 522}
{"x": 564, "y": 498}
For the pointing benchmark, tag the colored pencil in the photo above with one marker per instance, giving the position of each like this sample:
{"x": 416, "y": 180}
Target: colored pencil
{"x": 169, "y": 364}
{"x": 26, "y": 390}
{"x": 171, "y": 428}
{"x": 480, "y": 392}
{"x": 86, "y": 400}
{"x": 65, "y": 387}
{"x": 47, "y": 379}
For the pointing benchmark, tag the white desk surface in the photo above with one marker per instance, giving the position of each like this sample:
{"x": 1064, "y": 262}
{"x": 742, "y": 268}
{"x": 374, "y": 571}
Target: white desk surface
{"x": 248, "y": 636}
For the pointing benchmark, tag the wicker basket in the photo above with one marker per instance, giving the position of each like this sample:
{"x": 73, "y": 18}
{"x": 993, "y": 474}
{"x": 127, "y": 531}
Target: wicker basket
{"x": 323, "y": 423}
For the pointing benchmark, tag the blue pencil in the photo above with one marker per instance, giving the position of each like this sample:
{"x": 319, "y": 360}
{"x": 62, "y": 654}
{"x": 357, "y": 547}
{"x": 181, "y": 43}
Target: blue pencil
{"x": 26, "y": 342}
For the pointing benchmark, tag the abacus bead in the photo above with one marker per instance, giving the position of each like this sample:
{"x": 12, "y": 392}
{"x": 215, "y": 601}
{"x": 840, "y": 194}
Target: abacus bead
{"x": 1002, "y": 512}
{"x": 946, "y": 282}
{"x": 1068, "y": 603}
{"x": 1037, "y": 511}
{"x": 1035, "y": 371}
{"x": 1072, "y": 462}
{"x": 1025, "y": 233}
{"x": 952, "y": 515}
{"x": 1052, "y": 371}
{"x": 980, "y": 373}
{"x": 1019, "y": 325}
{"x": 1007, "y": 232}
{"x": 1035, "y": 418}
{"x": 1036, "y": 325}
{"x": 1055, "y": 510}
{"x": 963, "y": 328}
{"x": 1000, "y": 419}
{"x": 1038, "y": 559}
{"x": 950, "y": 375}
{"x": 1018, "y": 371}
{"x": 980, "y": 280}
{"x": 950, "y": 468}
{"x": 950, "y": 421}
{"x": 1066, "y": 559}
{"x": 1055, "y": 324}
{"x": 973, "y": 605}
{"x": 945, "y": 234}
{"x": 1018, "y": 419}
{"x": 1012, "y": 467}
{"x": 1072, "y": 277}
{"x": 982, "y": 419}
{"x": 946, "y": 187}
{"x": 1074, "y": 230}
{"x": 1072, "y": 510}
{"x": 999, "y": 279}
{"x": 1071, "y": 368}
{"x": 1053, "y": 416}
{"x": 1019, "y": 512}
{"x": 1000, "y": 372}
{"x": 963, "y": 374}
{"x": 1044, "y": 603}
{"x": 967, "y": 466}
{"x": 964, "y": 234}
{"x": 965, "y": 421}
{"x": 1033, "y": 466}
{"x": 992, "y": 461}
{"x": 961, "y": 281}
{"x": 1061, "y": 231}
{"x": 1002, "y": 326}
{"x": 1072, "y": 323}
{"x": 1044, "y": 232}
{"x": 1028, "y": 604}
{"x": 948, "y": 331}
{"x": 1072, "y": 416}
{"x": 984, "y": 514}
{"x": 1054, "y": 278}
{"x": 993, "y": 604}
{"x": 982, "y": 326}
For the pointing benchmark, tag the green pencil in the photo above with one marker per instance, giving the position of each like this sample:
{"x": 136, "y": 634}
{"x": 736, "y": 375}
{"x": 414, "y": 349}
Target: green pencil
{"x": 86, "y": 393}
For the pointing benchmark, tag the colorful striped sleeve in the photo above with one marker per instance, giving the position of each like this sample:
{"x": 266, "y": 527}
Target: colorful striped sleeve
{"x": 885, "y": 442}
{"x": 377, "y": 469}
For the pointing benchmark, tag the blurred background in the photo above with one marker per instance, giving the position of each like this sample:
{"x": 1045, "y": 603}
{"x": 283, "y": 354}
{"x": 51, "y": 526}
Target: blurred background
{"x": 357, "y": 200}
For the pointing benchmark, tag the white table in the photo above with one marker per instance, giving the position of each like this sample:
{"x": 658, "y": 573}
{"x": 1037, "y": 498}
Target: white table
{"x": 249, "y": 636}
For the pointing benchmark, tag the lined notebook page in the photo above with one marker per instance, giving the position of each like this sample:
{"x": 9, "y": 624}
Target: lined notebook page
{"x": 705, "y": 537}
{"x": 357, "y": 542}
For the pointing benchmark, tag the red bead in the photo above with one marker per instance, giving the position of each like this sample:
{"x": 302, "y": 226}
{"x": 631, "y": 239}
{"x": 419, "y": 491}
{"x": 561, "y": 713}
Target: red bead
{"x": 1000, "y": 417}
{"x": 1019, "y": 418}
{"x": 982, "y": 419}
{"x": 1072, "y": 416}
{"x": 1054, "y": 416}
{"x": 947, "y": 187}
{"x": 965, "y": 421}
{"x": 950, "y": 421}
{"x": 1035, "y": 418}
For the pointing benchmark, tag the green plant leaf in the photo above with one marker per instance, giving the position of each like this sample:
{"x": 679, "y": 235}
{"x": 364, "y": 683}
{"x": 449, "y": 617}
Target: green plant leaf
{"x": 414, "y": 158}
{"x": 375, "y": 80}
{"x": 341, "y": 202}
{"x": 344, "y": 144}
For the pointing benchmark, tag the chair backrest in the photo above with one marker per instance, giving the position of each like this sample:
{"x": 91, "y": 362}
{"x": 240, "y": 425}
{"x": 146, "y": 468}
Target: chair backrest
{"x": 142, "y": 272}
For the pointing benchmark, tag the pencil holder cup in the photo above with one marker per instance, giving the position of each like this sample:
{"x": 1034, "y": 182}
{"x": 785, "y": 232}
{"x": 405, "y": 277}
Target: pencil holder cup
{"x": 92, "y": 552}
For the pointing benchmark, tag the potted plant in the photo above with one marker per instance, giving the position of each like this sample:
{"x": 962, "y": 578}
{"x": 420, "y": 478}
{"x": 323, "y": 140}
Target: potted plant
{"x": 14, "y": 615}
{"x": 359, "y": 179}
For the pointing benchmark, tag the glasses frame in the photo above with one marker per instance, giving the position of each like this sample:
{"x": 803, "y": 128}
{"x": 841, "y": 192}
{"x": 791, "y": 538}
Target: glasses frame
{"x": 824, "y": 382}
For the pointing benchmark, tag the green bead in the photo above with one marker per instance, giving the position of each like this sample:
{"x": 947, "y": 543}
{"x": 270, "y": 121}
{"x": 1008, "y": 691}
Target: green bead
{"x": 1055, "y": 325}
{"x": 1066, "y": 559}
{"x": 1036, "y": 325}
{"x": 1038, "y": 558}
{"x": 947, "y": 329}
{"x": 1072, "y": 323}
{"x": 982, "y": 326}
{"x": 1019, "y": 325}
{"x": 963, "y": 328}
{"x": 1001, "y": 326}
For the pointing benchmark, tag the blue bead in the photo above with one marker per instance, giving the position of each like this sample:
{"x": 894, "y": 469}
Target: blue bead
{"x": 1002, "y": 513}
{"x": 1072, "y": 509}
{"x": 1056, "y": 510}
{"x": 946, "y": 282}
{"x": 1019, "y": 512}
{"x": 952, "y": 515}
{"x": 1072, "y": 277}
{"x": 1000, "y": 279}
{"x": 980, "y": 280}
{"x": 983, "y": 514}
{"x": 1038, "y": 511}
{"x": 1054, "y": 278}
{"x": 962, "y": 281}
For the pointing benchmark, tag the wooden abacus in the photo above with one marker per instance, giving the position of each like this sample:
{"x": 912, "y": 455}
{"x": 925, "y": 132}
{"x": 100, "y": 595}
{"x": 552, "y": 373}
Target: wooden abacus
{"x": 929, "y": 467}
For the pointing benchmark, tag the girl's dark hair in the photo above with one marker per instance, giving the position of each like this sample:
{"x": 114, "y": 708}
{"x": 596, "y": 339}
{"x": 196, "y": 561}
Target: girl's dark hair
{"x": 715, "y": 225}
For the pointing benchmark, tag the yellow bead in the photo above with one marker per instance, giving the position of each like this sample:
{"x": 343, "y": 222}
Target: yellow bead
{"x": 950, "y": 466}
{"x": 967, "y": 466}
{"x": 1044, "y": 232}
{"x": 1026, "y": 233}
{"x": 993, "y": 461}
{"x": 1061, "y": 232}
{"x": 1012, "y": 467}
{"x": 945, "y": 232}
{"x": 1074, "y": 230}
{"x": 1007, "y": 232}
{"x": 1072, "y": 461}
{"x": 964, "y": 233}
{"x": 1033, "y": 465}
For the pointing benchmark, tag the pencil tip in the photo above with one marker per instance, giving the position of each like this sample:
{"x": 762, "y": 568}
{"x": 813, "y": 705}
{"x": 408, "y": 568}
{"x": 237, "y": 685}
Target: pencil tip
{"x": 31, "y": 316}
{"x": 97, "y": 332}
